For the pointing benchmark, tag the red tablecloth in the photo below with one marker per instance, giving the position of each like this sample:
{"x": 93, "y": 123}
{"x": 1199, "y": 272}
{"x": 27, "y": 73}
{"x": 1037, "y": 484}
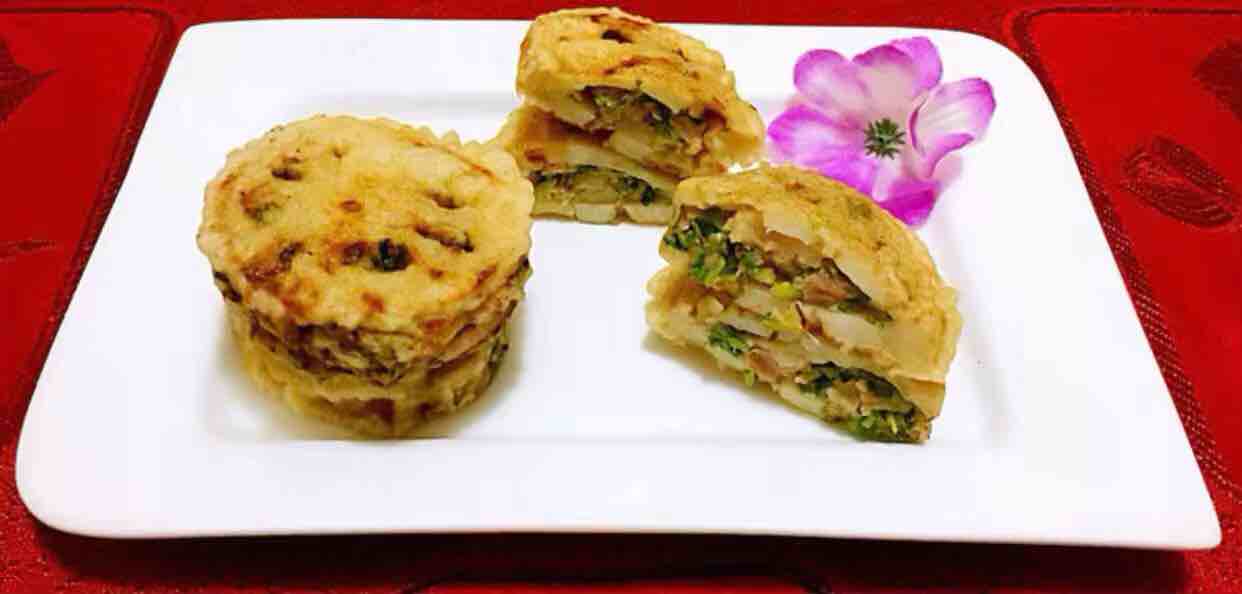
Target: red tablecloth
{"x": 1150, "y": 97}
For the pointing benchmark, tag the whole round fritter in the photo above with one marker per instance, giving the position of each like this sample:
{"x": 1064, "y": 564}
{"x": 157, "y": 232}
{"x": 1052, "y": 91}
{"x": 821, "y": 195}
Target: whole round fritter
{"x": 366, "y": 224}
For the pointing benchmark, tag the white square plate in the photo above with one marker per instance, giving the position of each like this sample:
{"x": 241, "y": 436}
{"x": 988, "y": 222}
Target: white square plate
{"x": 1057, "y": 426}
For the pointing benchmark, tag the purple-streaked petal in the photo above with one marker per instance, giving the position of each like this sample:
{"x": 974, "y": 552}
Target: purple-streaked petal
{"x": 802, "y": 132}
{"x": 808, "y": 137}
{"x": 855, "y": 171}
{"x": 891, "y": 80}
{"x": 830, "y": 82}
{"x": 907, "y": 198}
{"x": 926, "y": 60}
{"x": 954, "y": 115}
{"x": 930, "y": 154}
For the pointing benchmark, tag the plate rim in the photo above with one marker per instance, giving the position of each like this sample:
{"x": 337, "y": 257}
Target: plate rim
{"x": 40, "y": 505}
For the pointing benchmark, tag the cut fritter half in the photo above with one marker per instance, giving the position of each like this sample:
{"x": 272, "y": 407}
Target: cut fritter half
{"x": 802, "y": 283}
{"x": 651, "y": 92}
{"x": 575, "y": 176}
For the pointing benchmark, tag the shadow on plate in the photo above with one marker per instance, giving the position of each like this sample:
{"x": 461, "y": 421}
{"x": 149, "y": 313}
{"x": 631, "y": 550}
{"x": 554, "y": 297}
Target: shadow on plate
{"x": 976, "y": 348}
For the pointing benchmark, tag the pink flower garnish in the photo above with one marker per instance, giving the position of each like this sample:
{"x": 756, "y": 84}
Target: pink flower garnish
{"x": 881, "y": 122}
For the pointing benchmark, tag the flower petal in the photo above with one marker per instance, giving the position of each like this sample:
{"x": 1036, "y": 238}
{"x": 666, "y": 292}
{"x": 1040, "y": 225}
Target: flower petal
{"x": 830, "y": 82}
{"x": 891, "y": 80}
{"x": 803, "y": 132}
{"x": 909, "y": 199}
{"x": 925, "y": 57}
{"x": 855, "y": 171}
{"x": 954, "y": 115}
{"x": 808, "y": 137}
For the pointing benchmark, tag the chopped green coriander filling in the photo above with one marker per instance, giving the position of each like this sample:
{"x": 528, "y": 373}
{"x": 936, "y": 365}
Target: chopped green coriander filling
{"x": 748, "y": 376}
{"x": 609, "y": 100}
{"x": 817, "y": 379}
{"x": 713, "y": 256}
{"x": 883, "y": 425}
{"x": 593, "y": 185}
{"x": 614, "y": 106}
{"x": 727, "y": 339}
{"x": 785, "y": 290}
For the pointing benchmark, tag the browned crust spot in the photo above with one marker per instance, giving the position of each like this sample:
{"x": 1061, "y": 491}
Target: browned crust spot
{"x": 226, "y": 286}
{"x": 384, "y": 408}
{"x": 351, "y": 205}
{"x": 617, "y": 36}
{"x": 535, "y": 156}
{"x": 374, "y": 303}
{"x": 433, "y": 325}
{"x": 447, "y": 237}
{"x": 444, "y": 201}
{"x": 286, "y": 173}
{"x": 352, "y": 252}
{"x": 484, "y": 274}
{"x": 287, "y": 168}
{"x": 289, "y": 299}
{"x": 250, "y": 203}
{"x": 263, "y": 271}
{"x": 227, "y": 181}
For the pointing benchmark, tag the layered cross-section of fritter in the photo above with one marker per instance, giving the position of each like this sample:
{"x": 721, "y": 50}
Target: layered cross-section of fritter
{"x": 804, "y": 284}
{"x": 648, "y": 91}
{"x": 574, "y": 176}
{"x": 369, "y": 268}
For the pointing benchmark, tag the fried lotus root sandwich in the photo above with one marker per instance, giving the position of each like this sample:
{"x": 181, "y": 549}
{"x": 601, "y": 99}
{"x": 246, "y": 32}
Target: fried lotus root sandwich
{"x": 650, "y": 92}
{"x": 575, "y": 177}
{"x": 369, "y": 268}
{"x": 804, "y": 284}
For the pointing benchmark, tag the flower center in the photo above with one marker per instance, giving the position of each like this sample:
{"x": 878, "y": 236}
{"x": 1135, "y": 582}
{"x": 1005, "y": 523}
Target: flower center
{"x": 884, "y": 138}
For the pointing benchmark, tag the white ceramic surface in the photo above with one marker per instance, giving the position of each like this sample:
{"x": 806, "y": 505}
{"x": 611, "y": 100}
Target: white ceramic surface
{"x": 1057, "y": 426}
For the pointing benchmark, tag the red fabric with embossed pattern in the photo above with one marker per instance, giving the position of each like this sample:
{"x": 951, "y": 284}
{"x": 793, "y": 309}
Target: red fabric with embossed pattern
{"x": 1151, "y": 100}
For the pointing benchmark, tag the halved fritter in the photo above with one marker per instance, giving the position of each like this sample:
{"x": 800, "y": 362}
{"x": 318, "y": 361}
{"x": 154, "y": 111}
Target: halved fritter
{"x": 366, "y": 255}
{"x": 575, "y": 176}
{"x": 805, "y": 284}
{"x": 652, "y": 93}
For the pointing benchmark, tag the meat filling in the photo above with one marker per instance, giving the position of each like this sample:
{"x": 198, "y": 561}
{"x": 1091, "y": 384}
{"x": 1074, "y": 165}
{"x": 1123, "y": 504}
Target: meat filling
{"x": 728, "y": 266}
{"x": 648, "y": 130}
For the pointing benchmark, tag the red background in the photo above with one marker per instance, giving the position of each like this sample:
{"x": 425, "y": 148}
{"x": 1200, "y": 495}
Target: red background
{"x": 1150, "y": 97}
